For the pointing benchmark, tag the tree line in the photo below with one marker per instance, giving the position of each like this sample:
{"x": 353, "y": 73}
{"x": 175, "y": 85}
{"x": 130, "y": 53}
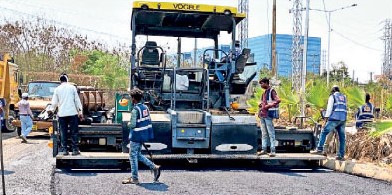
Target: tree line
{"x": 42, "y": 49}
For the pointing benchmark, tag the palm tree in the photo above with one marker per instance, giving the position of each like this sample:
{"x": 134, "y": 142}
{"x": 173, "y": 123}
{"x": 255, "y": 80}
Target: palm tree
{"x": 317, "y": 96}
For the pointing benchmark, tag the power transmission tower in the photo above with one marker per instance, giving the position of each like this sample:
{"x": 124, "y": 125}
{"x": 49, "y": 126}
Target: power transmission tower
{"x": 387, "y": 38}
{"x": 296, "y": 46}
{"x": 243, "y": 7}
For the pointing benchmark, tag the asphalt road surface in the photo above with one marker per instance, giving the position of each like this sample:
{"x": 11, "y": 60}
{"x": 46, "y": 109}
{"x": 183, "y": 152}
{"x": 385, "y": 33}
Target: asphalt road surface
{"x": 29, "y": 169}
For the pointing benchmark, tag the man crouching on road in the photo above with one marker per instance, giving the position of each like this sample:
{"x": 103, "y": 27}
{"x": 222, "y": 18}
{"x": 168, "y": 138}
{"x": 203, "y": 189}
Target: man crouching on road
{"x": 141, "y": 131}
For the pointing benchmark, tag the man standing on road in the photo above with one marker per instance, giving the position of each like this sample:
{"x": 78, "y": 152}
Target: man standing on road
{"x": 26, "y": 117}
{"x": 268, "y": 111}
{"x": 141, "y": 131}
{"x": 66, "y": 98}
{"x": 335, "y": 115}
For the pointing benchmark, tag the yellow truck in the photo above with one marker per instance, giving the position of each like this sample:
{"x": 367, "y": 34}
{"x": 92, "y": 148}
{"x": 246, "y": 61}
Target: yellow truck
{"x": 40, "y": 95}
{"x": 9, "y": 91}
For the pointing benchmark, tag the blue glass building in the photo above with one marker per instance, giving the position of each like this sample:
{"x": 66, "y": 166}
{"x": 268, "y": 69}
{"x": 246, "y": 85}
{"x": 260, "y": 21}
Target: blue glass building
{"x": 261, "y": 48}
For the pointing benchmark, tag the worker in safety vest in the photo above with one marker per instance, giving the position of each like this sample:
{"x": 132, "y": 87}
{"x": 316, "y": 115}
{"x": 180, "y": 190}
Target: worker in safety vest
{"x": 268, "y": 110}
{"x": 336, "y": 116}
{"x": 365, "y": 113}
{"x": 140, "y": 131}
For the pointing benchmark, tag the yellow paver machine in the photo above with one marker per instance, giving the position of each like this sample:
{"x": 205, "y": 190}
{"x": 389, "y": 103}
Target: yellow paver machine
{"x": 191, "y": 106}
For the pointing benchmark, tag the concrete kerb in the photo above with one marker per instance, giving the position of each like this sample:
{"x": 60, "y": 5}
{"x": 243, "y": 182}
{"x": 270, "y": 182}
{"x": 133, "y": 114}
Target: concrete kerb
{"x": 360, "y": 169}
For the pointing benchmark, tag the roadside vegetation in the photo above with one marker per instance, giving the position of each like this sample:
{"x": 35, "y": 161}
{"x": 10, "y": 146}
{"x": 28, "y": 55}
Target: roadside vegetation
{"x": 43, "y": 51}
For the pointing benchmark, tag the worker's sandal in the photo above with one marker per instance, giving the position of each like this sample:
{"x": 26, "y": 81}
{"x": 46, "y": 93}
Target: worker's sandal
{"x": 319, "y": 152}
{"x": 24, "y": 140}
{"x": 157, "y": 172}
{"x": 263, "y": 152}
{"x": 130, "y": 181}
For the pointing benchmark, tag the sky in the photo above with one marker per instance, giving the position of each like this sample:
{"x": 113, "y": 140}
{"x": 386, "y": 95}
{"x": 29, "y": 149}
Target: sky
{"x": 355, "y": 38}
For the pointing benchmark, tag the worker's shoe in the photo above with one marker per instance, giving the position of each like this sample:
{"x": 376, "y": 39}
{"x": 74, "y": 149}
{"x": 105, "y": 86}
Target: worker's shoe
{"x": 24, "y": 140}
{"x": 130, "y": 181}
{"x": 272, "y": 154}
{"x": 319, "y": 152}
{"x": 262, "y": 152}
{"x": 339, "y": 158}
{"x": 157, "y": 172}
{"x": 65, "y": 153}
{"x": 75, "y": 152}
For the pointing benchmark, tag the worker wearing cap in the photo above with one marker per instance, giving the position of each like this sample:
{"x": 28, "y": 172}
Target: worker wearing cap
{"x": 335, "y": 115}
{"x": 26, "y": 117}
{"x": 66, "y": 98}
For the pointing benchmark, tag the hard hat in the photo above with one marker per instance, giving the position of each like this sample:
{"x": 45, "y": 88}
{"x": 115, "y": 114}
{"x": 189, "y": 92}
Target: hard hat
{"x": 123, "y": 102}
{"x": 25, "y": 95}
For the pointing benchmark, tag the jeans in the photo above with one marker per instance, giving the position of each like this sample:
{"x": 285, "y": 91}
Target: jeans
{"x": 267, "y": 130}
{"x": 27, "y": 124}
{"x": 340, "y": 128}
{"x": 71, "y": 122}
{"x": 135, "y": 155}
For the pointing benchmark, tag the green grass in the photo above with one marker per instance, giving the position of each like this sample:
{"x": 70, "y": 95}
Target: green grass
{"x": 381, "y": 128}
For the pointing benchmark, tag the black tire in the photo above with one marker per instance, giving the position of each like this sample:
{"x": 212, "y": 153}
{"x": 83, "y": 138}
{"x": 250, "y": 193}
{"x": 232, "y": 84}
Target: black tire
{"x": 55, "y": 138}
{"x": 8, "y": 122}
{"x": 56, "y": 144}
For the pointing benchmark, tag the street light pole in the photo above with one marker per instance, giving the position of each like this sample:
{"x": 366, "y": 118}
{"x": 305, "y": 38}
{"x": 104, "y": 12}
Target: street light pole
{"x": 329, "y": 46}
{"x": 329, "y": 33}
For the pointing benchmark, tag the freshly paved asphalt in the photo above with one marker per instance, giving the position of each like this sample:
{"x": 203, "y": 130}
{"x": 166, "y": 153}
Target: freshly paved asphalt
{"x": 29, "y": 169}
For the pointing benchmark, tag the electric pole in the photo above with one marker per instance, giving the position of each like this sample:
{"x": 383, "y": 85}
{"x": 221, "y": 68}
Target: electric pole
{"x": 304, "y": 61}
{"x": 371, "y": 77}
{"x": 353, "y": 76}
{"x": 273, "y": 40}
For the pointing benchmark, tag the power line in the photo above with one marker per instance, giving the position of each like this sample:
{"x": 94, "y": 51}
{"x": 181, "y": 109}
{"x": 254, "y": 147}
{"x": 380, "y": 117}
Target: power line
{"x": 355, "y": 42}
{"x": 13, "y": 11}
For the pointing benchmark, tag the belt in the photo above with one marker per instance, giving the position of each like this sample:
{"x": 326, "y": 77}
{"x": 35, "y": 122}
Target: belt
{"x": 24, "y": 114}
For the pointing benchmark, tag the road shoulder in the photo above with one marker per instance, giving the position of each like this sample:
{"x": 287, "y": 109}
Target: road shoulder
{"x": 360, "y": 169}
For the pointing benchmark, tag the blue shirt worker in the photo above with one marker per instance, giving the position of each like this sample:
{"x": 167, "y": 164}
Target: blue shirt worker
{"x": 336, "y": 116}
{"x": 140, "y": 132}
{"x": 66, "y": 98}
{"x": 26, "y": 117}
{"x": 365, "y": 113}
